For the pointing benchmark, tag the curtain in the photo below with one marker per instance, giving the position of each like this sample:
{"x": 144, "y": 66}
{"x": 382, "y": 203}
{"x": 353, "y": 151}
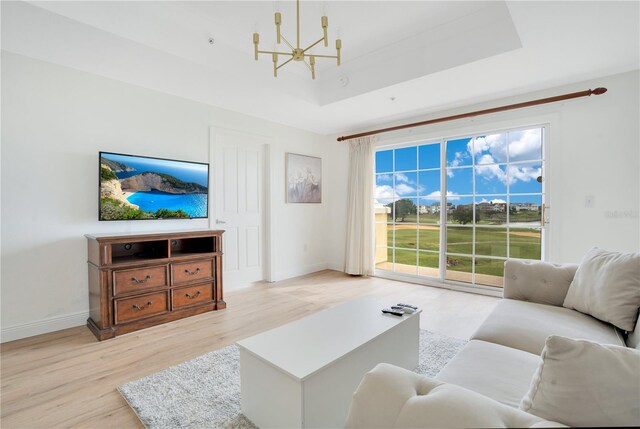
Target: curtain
{"x": 360, "y": 252}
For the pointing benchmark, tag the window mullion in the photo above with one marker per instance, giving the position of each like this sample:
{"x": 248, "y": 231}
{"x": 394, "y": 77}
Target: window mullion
{"x": 393, "y": 211}
{"x": 508, "y": 196}
{"x": 443, "y": 211}
{"x": 473, "y": 205}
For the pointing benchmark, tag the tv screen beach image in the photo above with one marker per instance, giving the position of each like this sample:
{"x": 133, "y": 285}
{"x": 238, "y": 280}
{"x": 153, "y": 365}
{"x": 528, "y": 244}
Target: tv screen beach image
{"x": 136, "y": 187}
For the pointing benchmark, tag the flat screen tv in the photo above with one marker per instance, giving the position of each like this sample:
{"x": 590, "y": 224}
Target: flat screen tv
{"x": 141, "y": 187}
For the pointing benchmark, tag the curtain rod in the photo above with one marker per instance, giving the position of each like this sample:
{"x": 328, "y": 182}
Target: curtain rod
{"x": 557, "y": 98}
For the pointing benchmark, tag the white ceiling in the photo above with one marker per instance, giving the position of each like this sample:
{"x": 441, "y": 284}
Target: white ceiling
{"x": 428, "y": 55}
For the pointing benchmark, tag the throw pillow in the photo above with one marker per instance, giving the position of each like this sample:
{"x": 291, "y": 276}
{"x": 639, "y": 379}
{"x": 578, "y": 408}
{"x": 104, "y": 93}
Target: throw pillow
{"x": 607, "y": 286}
{"x": 581, "y": 383}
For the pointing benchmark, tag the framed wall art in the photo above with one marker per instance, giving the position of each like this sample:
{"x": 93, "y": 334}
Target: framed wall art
{"x": 304, "y": 178}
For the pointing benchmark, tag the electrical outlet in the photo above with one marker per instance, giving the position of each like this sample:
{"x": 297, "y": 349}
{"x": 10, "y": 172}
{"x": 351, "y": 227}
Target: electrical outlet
{"x": 589, "y": 202}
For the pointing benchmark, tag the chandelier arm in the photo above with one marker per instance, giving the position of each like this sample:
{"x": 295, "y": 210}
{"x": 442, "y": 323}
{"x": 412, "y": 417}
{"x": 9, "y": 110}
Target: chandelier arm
{"x": 325, "y": 56}
{"x": 287, "y": 42}
{"x": 286, "y": 62}
{"x": 306, "y": 63}
{"x": 311, "y": 46}
{"x": 275, "y": 52}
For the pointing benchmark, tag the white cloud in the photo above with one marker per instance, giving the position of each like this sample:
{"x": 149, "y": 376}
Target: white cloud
{"x": 387, "y": 191}
{"x": 404, "y": 189}
{"x": 525, "y": 145}
{"x": 494, "y": 201}
{"x": 525, "y": 173}
{"x": 384, "y": 191}
{"x": 493, "y": 145}
{"x": 384, "y": 178}
{"x": 401, "y": 177}
{"x": 486, "y": 159}
{"x": 493, "y": 171}
{"x": 458, "y": 159}
{"x": 435, "y": 195}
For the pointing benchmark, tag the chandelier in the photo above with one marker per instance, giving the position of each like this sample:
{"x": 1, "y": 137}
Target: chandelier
{"x": 297, "y": 53}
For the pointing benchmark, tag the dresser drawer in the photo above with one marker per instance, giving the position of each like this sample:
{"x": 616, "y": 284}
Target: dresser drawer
{"x": 191, "y": 272}
{"x": 192, "y": 295}
{"x": 139, "y": 307}
{"x": 139, "y": 279}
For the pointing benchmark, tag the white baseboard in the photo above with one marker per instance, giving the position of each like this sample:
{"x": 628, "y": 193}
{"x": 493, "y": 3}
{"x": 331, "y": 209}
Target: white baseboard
{"x": 301, "y": 271}
{"x": 72, "y": 320}
{"x": 17, "y": 332}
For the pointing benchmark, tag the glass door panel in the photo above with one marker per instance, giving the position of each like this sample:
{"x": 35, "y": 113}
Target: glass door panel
{"x": 487, "y": 188}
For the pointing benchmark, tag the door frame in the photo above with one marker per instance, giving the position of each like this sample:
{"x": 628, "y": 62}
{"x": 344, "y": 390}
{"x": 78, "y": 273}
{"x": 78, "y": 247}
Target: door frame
{"x": 266, "y": 236}
{"x": 549, "y": 119}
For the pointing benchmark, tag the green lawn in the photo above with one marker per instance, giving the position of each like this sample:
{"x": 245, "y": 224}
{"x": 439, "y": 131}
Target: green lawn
{"x": 408, "y": 238}
{"x": 524, "y": 243}
{"x": 423, "y": 218}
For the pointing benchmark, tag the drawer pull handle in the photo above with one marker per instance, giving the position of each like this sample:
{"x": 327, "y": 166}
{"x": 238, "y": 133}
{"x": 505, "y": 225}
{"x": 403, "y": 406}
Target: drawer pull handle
{"x": 144, "y": 280}
{"x": 197, "y": 294}
{"x": 192, "y": 273}
{"x": 137, "y": 307}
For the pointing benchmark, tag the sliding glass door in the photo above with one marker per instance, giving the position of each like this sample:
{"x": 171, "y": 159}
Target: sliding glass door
{"x": 407, "y": 184}
{"x": 454, "y": 209}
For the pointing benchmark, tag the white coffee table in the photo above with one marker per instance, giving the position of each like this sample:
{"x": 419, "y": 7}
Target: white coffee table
{"x": 303, "y": 374}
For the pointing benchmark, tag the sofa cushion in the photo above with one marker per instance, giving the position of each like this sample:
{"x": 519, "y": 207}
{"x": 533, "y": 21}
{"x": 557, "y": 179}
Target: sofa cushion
{"x": 537, "y": 281}
{"x": 526, "y": 326}
{"x": 393, "y": 397}
{"x": 581, "y": 383}
{"x": 607, "y": 286}
{"x": 496, "y": 371}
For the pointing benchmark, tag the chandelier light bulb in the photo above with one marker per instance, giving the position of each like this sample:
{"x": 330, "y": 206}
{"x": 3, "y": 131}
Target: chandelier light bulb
{"x": 278, "y": 22}
{"x": 325, "y": 25}
{"x": 256, "y": 40}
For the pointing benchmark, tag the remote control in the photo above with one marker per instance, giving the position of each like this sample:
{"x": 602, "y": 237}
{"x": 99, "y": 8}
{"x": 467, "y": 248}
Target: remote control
{"x": 413, "y": 307}
{"x": 391, "y": 311}
{"x": 405, "y": 310}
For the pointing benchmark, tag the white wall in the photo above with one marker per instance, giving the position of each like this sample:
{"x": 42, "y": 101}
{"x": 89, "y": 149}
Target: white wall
{"x": 593, "y": 151}
{"x": 54, "y": 122}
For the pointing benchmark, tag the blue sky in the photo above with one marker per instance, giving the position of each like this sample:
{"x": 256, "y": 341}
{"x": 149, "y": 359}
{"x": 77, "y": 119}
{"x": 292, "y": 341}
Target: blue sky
{"x": 156, "y": 162}
{"x": 186, "y": 171}
{"x": 485, "y": 158}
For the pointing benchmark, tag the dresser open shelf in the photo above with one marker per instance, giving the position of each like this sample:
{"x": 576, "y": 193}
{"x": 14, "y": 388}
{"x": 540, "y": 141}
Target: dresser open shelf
{"x": 141, "y": 280}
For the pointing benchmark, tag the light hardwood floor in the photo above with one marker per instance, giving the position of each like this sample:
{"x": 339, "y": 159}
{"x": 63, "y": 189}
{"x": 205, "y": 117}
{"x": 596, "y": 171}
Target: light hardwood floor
{"x": 68, "y": 379}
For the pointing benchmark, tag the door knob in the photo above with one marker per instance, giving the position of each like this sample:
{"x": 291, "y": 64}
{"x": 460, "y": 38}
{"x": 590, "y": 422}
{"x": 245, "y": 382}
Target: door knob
{"x": 220, "y": 221}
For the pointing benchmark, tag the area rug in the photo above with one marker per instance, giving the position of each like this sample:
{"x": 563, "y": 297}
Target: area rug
{"x": 205, "y": 392}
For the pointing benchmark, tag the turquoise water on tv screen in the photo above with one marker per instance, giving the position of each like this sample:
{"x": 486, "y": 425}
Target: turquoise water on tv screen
{"x": 195, "y": 205}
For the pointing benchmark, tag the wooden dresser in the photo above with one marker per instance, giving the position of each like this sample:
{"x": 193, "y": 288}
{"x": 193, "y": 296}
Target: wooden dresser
{"x": 141, "y": 280}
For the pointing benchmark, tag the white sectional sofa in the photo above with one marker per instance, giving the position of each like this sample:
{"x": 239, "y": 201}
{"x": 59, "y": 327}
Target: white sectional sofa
{"x": 484, "y": 384}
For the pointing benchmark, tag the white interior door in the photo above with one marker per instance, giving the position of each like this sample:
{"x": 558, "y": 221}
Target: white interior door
{"x": 238, "y": 186}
